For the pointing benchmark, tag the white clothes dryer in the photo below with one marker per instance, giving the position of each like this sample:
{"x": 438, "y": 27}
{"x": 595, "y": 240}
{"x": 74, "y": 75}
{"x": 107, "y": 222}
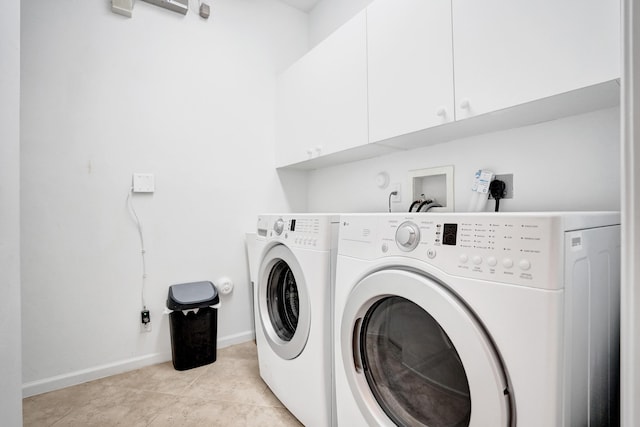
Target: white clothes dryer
{"x": 293, "y": 312}
{"x": 477, "y": 319}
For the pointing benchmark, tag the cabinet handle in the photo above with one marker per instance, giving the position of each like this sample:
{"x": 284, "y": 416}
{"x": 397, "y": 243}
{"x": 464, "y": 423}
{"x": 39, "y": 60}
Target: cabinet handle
{"x": 464, "y": 104}
{"x": 441, "y": 111}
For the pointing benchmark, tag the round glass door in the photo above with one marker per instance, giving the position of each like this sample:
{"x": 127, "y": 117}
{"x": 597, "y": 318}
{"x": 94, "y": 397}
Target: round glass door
{"x": 283, "y": 302}
{"x": 415, "y": 355}
{"x": 412, "y": 367}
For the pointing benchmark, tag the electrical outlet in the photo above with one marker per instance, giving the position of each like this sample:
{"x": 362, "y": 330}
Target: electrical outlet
{"x": 508, "y": 180}
{"x": 143, "y": 183}
{"x": 145, "y": 318}
{"x": 398, "y": 188}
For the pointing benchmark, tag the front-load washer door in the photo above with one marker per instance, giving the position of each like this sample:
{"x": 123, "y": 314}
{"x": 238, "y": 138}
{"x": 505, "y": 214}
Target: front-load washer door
{"x": 283, "y": 302}
{"x": 414, "y": 355}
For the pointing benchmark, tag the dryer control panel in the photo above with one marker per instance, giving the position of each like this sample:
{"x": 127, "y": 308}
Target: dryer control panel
{"x": 514, "y": 249}
{"x": 297, "y": 230}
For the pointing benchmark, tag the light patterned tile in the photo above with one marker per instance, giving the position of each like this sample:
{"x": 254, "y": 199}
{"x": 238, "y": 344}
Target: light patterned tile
{"x": 232, "y": 370}
{"x": 247, "y": 350}
{"x": 232, "y": 389}
{"x": 192, "y": 411}
{"x": 260, "y": 416}
{"x": 46, "y": 409}
{"x": 228, "y": 392}
{"x": 119, "y": 407}
{"x": 162, "y": 378}
{"x": 40, "y": 413}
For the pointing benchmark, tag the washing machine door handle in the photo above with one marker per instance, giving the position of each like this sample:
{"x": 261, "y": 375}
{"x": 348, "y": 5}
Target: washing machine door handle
{"x": 356, "y": 346}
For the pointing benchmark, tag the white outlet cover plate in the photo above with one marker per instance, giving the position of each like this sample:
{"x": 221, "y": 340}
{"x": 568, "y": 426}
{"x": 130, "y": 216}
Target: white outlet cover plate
{"x": 143, "y": 183}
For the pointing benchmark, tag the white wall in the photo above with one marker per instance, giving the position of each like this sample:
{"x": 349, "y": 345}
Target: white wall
{"x": 328, "y": 15}
{"x": 567, "y": 164}
{"x": 103, "y": 96}
{"x": 10, "y": 322}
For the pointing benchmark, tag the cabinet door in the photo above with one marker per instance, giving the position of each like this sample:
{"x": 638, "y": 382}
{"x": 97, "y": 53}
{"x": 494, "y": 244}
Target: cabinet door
{"x": 410, "y": 64}
{"x": 322, "y": 98}
{"x": 295, "y": 113}
{"x": 508, "y": 52}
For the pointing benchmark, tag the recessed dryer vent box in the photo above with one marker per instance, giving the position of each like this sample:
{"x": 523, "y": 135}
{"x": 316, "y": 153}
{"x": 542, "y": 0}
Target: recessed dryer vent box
{"x": 435, "y": 184}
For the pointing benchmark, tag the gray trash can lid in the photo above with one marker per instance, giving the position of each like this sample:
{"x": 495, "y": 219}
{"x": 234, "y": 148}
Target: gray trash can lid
{"x": 186, "y": 296}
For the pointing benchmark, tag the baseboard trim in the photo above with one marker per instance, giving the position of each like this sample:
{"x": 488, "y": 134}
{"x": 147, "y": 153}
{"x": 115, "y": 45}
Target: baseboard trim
{"x": 230, "y": 340}
{"x": 84, "y": 375}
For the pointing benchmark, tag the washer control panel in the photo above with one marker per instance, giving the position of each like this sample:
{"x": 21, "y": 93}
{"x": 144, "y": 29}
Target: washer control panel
{"x": 513, "y": 249}
{"x": 302, "y": 230}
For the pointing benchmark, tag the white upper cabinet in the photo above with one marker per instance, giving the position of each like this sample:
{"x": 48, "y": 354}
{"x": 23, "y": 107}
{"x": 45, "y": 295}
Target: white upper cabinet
{"x": 509, "y": 52}
{"x": 410, "y": 66}
{"x": 322, "y": 98}
{"x": 409, "y": 73}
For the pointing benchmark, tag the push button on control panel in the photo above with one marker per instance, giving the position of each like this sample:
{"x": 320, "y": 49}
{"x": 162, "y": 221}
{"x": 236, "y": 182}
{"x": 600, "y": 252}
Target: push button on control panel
{"x": 477, "y": 260}
{"x": 524, "y": 264}
{"x": 463, "y": 258}
{"x": 507, "y": 263}
{"x": 492, "y": 261}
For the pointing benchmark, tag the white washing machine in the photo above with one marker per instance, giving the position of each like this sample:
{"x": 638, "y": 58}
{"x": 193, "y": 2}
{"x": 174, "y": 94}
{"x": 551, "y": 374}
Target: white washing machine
{"x": 293, "y": 312}
{"x": 483, "y": 320}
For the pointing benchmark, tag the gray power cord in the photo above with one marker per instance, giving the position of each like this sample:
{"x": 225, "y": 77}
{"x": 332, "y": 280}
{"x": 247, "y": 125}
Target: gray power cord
{"x": 393, "y": 193}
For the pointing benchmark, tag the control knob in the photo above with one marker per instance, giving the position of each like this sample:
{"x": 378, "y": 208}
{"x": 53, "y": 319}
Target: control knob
{"x": 407, "y": 236}
{"x": 278, "y": 226}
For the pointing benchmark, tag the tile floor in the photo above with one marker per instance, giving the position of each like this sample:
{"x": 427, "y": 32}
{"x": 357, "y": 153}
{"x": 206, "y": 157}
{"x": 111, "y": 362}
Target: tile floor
{"x": 228, "y": 392}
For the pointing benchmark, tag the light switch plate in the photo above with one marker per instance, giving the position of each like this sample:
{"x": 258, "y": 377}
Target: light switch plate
{"x": 143, "y": 183}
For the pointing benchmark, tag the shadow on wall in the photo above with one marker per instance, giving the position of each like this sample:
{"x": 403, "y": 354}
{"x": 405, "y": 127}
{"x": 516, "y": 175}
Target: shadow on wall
{"x": 295, "y": 188}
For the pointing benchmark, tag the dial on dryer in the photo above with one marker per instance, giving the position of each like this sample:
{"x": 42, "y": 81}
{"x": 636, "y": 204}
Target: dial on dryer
{"x": 278, "y": 226}
{"x": 407, "y": 236}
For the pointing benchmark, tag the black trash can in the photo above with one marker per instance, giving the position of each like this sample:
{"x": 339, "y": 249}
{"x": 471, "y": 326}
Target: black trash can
{"x": 193, "y": 324}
